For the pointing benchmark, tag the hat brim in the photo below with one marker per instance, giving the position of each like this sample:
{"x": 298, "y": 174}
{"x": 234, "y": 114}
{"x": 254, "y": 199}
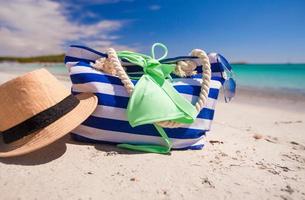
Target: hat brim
{"x": 54, "y": 131}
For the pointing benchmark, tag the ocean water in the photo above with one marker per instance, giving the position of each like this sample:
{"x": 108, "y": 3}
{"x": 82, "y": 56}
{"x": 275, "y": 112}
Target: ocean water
{"x": 287, "y": 77}
{"x": 20, "y": 68}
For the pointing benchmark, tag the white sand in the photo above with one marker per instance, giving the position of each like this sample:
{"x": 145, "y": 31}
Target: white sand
{"x": 233, "y": 165}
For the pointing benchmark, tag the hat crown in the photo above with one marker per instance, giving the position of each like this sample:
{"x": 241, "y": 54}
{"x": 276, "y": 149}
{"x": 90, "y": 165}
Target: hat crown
{"x": 28, "y": 95}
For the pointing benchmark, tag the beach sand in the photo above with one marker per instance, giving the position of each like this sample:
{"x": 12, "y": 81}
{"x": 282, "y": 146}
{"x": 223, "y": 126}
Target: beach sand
{"x": 255, "y": 150}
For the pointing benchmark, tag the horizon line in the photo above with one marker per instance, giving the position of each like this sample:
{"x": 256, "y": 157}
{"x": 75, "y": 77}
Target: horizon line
{"x": 15, "y": 59}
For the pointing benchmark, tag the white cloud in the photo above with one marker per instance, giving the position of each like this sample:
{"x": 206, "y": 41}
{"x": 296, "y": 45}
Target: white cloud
{"x": 31, "y": 27}
{"x": 154, "y": 7}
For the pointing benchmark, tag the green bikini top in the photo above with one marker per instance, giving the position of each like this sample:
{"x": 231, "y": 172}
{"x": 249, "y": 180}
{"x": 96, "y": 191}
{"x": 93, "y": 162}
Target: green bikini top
{"x": 154, "y": 99}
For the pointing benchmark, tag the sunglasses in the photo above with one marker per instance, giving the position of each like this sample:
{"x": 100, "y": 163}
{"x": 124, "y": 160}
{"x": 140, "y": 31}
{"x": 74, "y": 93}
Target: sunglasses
{"x": 229, "y": 85}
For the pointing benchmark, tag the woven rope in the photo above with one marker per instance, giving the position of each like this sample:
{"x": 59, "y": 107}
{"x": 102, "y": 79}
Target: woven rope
{"x": 186, "y": 68}
{"x": 205, "y": 85}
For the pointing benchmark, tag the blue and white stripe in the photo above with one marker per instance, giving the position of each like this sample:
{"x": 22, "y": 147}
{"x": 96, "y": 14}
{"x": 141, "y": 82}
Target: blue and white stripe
{"x": 109, "y": 123}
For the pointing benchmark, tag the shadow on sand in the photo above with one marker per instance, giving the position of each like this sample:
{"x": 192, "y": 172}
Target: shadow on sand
{"x": 58, "y": 148}
{"x": 41, "y": 156}
{"x": 107, "y": 148}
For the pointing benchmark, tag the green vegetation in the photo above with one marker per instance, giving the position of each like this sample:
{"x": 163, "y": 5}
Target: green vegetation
{"x": 43, "y": 59}
{"x": 239, "y": 63}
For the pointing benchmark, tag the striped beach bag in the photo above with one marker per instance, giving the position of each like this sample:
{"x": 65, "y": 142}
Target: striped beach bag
{"x": 197, "y": 78}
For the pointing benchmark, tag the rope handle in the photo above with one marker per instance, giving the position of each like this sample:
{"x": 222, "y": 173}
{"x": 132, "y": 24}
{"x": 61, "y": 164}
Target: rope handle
{"x": 113, "y": 63}
{"x": 205, "y": 86}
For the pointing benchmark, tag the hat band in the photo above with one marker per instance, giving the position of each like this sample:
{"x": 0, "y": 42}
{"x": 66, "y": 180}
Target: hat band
{"x": 40, "y": 120}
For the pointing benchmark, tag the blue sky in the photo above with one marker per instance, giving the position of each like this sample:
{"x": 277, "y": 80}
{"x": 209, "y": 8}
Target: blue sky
{"x": 253, "y": 31}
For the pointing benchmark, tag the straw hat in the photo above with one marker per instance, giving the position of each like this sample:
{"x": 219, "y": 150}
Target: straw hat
{"x": 36, "y": 110}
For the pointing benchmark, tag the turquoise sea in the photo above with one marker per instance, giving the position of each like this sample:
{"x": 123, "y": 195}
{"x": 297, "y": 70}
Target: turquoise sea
{"x": 285, "y": 77}
{"x": 289, "y": 77}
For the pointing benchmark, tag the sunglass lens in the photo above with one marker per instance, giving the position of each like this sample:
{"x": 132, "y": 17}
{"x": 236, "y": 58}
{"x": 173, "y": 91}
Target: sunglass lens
{"x": 224, "y": 62}
{"x": 229, "y": 87}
